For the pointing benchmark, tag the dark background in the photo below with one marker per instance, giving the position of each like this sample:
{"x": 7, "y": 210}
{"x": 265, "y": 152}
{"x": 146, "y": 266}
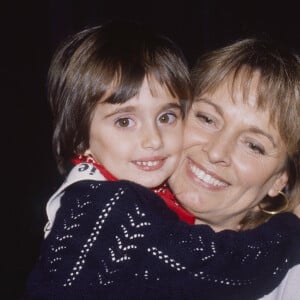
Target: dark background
{"x": 30, "y": 31}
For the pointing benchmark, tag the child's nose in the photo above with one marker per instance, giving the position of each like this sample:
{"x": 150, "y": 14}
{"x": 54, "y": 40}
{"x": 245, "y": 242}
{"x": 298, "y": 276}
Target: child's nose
{"x": 151, "y": 138}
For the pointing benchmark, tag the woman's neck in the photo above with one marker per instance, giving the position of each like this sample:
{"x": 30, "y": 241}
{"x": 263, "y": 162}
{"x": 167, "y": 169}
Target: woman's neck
{"x": 229, "y": 224}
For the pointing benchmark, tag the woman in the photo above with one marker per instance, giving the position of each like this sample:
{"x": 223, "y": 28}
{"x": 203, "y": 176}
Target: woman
{"x": 242, "y": 137}
{"x": 117, "y": 239}
{"x": 241, "y": 162}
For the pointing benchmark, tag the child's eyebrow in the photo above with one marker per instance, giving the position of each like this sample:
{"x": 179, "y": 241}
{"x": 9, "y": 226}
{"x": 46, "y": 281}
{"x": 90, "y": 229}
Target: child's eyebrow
{"x": 129, "y": 109}
{"x": 126, "y": 109}
{"x": 122, "y": 110}
{"x": 172, "y": 105}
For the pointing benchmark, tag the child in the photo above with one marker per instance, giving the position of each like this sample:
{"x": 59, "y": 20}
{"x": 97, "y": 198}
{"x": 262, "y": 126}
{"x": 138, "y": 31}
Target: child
{"x": 118, "y": 94}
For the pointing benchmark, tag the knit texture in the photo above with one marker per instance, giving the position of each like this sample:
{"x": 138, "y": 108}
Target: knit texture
{"x": 163, "y": 190}
{"x": 118, "y": 240}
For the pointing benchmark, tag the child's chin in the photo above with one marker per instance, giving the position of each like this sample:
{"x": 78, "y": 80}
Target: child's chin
{"x": 150, "y": 184}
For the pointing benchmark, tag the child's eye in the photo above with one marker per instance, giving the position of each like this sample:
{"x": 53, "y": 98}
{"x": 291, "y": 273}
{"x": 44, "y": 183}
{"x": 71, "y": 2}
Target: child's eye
{"x": 124, "y": 122}
{"x": 256, "y": 148}
{"x": 167, "y": 118}
{"x": 204, "y": 118}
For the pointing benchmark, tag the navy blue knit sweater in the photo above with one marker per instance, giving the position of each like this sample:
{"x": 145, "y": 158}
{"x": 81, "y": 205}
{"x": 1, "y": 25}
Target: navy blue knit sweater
{"x": 118, "y": 240}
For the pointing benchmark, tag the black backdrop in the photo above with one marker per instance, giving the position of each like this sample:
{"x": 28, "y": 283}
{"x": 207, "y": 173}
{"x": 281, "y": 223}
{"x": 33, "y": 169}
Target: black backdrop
{"x": 30, "y": 31}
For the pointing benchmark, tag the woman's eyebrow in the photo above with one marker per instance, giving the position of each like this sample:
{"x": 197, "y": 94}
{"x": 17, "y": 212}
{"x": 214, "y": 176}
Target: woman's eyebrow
{"x": 253, "y": 129}
{"x": 207, "y": 101}
{"x": 257, "y": 130}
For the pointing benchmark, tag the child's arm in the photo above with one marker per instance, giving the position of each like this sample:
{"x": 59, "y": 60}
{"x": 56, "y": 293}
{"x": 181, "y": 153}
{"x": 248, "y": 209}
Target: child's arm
{"x": 80, "y": 172}
{"x": 119, "y": 240}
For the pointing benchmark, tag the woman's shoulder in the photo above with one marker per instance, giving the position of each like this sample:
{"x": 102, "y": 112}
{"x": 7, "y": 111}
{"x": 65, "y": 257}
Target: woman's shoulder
{"x": 288, "y": 289}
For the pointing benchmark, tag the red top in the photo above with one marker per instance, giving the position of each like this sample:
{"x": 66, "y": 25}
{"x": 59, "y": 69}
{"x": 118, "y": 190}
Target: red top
{"x": 163, "y": 190}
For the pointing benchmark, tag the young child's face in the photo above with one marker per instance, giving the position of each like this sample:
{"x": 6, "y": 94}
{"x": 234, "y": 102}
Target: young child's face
{"x": 141, "y": 139}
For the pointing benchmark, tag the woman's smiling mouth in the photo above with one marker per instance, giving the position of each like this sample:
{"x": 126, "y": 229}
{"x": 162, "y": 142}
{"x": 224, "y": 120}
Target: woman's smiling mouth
{"x": 205, "y": 177}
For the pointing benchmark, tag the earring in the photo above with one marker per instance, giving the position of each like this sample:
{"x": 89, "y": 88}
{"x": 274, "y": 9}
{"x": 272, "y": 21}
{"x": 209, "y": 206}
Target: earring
{"x": 280, "y": 210}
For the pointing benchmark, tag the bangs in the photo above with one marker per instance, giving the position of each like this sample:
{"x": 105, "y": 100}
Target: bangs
{"x": 124, "y": 85}
{"x": 273, "y": 93}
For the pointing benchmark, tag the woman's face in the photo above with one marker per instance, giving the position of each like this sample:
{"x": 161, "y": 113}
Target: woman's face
{"x": 232, "y": 158}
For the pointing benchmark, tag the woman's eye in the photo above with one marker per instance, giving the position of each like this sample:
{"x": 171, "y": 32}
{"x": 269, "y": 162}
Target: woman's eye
{"x": 204, "y": 118}
{"x": 167, "y": 118}
{"x": 124, "y": 122}
{"x": 256, "y": 148}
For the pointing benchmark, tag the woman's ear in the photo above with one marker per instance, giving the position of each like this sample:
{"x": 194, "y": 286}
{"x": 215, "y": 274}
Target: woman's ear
{"x": 297, "y": 210}
{"x": 279, "y": 184}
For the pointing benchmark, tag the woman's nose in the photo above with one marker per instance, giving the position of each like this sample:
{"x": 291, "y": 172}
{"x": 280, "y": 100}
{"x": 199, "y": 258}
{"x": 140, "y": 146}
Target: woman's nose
{"x": 219, "y": 150}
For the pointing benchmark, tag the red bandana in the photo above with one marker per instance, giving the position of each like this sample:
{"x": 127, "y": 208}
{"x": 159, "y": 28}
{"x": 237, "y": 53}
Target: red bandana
{"x": 163, "y": 190}
{"x": 166, "y": 194}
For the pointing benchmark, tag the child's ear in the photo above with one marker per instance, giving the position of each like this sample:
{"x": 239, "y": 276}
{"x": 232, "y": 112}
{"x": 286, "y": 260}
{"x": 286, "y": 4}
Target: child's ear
{"x": 87, "y": 152}
{"x": 89, "y": 157}
{"x": 279, "y": 184}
